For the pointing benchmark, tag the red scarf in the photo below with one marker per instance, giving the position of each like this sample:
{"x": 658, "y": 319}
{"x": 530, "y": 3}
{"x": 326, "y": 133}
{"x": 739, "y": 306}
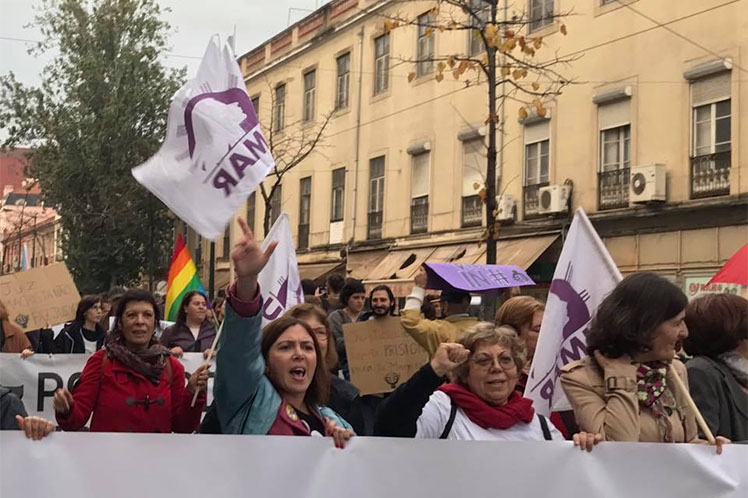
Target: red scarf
{"x": 516, "y": 409}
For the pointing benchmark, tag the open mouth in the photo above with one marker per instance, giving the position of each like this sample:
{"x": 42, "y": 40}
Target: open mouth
{"x": 678, "y": 345}
{"x": 298, "y": 373}
{"x": 496, "y": 382}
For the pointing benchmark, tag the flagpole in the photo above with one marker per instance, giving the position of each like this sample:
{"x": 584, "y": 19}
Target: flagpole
{"x": 211, "y": 351}
{"x": 689, "y": 401}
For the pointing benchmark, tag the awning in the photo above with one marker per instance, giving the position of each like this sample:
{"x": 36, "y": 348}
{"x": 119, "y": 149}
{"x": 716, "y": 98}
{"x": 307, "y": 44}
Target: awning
{"x": 401, "y": 264}
{"x": 315, "y": 271}
{"x": 360, "y": 264}
{"x": 520, "y": 252}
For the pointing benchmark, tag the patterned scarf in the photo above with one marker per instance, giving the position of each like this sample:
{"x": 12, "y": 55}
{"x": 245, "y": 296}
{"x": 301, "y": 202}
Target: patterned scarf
{"x": 653, "y": 394}
{"x": 150, "y": 362}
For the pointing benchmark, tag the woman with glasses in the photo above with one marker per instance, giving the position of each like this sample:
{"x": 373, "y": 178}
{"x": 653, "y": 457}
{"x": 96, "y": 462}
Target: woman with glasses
{"x": 343, "y": 394}
{"x": 480, "y": 401}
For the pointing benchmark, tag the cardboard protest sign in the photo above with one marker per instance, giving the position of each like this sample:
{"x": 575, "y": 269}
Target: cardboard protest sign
{"x": 475, "y": 278}
{"x": 40, "y": 297}
{"x": 381, "y": 355}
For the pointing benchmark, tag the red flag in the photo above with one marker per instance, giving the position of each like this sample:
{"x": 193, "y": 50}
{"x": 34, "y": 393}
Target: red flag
{"x": 735, "y": 270}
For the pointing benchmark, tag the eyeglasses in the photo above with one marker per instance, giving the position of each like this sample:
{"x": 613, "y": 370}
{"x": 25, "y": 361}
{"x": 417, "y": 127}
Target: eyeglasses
{"x": 506, "y": 362}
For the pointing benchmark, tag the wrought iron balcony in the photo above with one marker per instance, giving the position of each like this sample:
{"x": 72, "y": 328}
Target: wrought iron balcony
{"x": 472, "y": 211}
{"x": 419, "y": 214}
{"x": 531, "y": 199}
{"x": 613, "y": 188}
{"x": 710, "y": 175}
{"x": 374, "y": 225}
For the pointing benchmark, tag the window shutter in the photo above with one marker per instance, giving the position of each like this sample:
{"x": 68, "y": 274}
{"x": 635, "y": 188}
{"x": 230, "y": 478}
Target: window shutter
{"x": 420, "y": 175}
{"x": 537, "y": 132}
{"x": 614, "y": 114}
{"x": 473, "y": 166}
{"x": 711, "y": 89}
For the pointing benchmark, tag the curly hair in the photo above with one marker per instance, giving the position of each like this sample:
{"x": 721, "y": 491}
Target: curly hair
{"x": 488, "y": 334}
{"x": 627, "y": 318}
{"x": 716, "y": 324}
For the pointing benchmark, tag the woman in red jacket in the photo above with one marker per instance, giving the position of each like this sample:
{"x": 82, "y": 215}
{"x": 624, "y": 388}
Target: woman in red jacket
{"x": 133, "y": 384}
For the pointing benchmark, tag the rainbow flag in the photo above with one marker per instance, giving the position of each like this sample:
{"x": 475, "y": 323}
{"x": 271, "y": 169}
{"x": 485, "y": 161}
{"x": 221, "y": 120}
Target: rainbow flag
{"x": 182, "y": 278}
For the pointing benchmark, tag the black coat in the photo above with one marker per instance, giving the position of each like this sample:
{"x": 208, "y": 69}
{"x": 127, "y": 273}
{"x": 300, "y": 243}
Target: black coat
{"x": 719, "y": 397}
{"x": 70, "y": 339}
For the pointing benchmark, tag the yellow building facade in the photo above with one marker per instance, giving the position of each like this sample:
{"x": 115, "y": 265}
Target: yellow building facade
{"x": 650, "y": 139}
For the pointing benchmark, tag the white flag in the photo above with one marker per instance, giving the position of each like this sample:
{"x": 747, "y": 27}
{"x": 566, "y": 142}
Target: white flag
{"x": 279, "y": 281}
{"x": 214, "y": 154}
{"x": 585, "y": 274}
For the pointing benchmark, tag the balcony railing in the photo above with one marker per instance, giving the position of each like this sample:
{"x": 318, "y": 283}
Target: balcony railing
{"x": 374, "y": 225}
{"x": 710, "y": 175}
{"x": 419, "y": 214}
{"x": 472, "y": 211}
{"x": 613, "y": 188}
{"x": 531, "y": 199}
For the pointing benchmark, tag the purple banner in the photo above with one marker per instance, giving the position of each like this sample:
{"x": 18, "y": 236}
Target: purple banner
{"x": 475, "y": 278}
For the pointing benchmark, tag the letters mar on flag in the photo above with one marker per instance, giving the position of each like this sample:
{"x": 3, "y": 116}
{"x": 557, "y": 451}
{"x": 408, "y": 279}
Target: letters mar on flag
{"x": 214, "y": 154}
{"x": 585, "y": 274}
{"x": 279, "y": 281}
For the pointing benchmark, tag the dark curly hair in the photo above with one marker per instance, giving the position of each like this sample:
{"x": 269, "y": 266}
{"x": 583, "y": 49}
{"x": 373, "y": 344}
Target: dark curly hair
{"x": 628, "y": 316}
{"x": 350, "y": 288}
{"x": 716, "y": 324}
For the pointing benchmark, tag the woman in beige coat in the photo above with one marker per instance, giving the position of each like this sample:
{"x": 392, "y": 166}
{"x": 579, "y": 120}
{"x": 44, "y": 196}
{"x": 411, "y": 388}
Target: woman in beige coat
{"x": 625, "y": 389}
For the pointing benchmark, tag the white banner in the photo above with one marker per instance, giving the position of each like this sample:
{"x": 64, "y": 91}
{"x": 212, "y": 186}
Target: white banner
{"x": 585, "y": 274}
{"x": 76, "y": 465}
{"x": 280, "y": 283}
{"x": 35, "y": 379}
{"x": 214, "y": 154}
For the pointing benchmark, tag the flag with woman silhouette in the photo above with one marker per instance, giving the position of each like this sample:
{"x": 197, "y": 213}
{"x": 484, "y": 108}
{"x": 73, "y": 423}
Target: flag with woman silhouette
{"x": 214, "y": 154}
{"x": 585, "y": 274}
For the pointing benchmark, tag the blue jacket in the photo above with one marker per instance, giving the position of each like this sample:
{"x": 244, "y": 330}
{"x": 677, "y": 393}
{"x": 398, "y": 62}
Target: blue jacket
{"x": 246, "y": 400}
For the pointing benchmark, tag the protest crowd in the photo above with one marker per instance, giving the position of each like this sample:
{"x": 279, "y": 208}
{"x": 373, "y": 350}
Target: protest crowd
{"x": 647, "y": 348}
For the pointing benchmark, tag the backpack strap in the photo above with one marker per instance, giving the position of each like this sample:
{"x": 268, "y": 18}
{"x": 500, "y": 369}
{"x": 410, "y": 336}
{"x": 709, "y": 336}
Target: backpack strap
{"x": 450, "y": 421}
{"x": 544, "y": 426}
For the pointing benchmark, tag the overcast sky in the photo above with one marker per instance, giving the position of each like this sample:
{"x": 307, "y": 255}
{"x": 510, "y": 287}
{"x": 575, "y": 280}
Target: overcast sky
{"x": 192, "y": 21}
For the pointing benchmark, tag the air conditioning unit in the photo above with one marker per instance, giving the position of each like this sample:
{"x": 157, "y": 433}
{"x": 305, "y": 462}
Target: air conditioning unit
{"x": 553, "y": 199}
{"x": 507, "y": 209}
{"x": 647, "y": 184}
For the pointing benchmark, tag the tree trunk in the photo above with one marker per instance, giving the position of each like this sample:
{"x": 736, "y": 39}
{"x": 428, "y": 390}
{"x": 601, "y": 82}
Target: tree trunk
{"x": 489, "y": 299}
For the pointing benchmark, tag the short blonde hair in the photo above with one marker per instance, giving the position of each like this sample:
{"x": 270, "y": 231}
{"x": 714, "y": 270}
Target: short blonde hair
{"x": 488, "y": 334}
{"x": 518, "y": 311}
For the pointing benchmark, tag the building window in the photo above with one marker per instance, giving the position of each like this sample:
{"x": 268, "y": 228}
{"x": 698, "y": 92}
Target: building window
{"x": 275, "y": 204}
{"x": 381, "y": 64}
{"x": 338, "y": 195}
{"x": 310, "y": 84}
{"x": 473, "y": 172}
{"x": 711, "y": 151}
{"x": 226, "y": 247}
{"x": 419, "y": 193}
{"x": 343, "y": 64}
{"x": 537, "y": 164}
{"x": 425, "y": 51}
{"x": 256, "y": 104}
{"x": 483, "y": 11}
{"x": 541, "y": 13}
{"x": 305, "y": 205}
{"x": 251, "y": 206}
{"x": 279, "y": 110}
{"x": 615, "y": 167}
{"x": 376, "y": 198}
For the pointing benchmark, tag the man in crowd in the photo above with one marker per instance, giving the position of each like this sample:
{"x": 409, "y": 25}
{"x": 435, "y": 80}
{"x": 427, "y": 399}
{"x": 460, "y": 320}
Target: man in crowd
{"x": 382, "y": 303}
{"x": 455, "y": 305}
